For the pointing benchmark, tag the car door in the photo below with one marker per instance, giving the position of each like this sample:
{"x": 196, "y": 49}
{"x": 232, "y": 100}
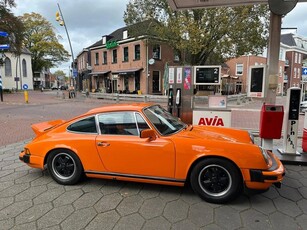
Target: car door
{"x": 124, "y": 152}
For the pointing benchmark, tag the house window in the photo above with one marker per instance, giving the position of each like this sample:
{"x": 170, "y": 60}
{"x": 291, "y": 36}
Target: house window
{"x": 299, "y": 58}
{"x": 294, "y": 73}
{"x": 8, "y": 67}
{"x": 295, "y": 61}
{"x": 125, "y": 34}
{"x": 239, "y": 69}
{"x": 114, "y": 56}
{"x": 156, "y": 52}
{"x": 298, "y": 73}
{"x": 105, "y": 57}
{"x": 96, "y": 58}
{"x": 24, "y": 68}
{"x": 126, "y": 54}
{"x": 137, "y": 52}
{"x": 176, "y": 56}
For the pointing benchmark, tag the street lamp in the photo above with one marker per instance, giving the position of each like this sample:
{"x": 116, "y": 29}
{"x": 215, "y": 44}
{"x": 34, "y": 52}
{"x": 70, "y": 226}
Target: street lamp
{"x": 60, "y": 18}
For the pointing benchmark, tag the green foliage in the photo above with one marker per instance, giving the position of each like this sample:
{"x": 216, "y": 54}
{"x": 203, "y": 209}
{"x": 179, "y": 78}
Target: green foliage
{"x": 205, "y": 36}
{"x": 59, "y": 73}
{"x": 12, "y": 25}
{"x": 43, "y": 43}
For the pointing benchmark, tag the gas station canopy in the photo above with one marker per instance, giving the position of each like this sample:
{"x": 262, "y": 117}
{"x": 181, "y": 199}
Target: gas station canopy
{"x": 192, "y": 4}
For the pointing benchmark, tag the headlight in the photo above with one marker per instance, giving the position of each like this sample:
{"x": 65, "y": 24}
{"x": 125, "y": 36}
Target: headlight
{"x": 265, "y": 155}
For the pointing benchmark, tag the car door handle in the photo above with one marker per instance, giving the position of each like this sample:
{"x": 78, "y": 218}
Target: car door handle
{"x": 103, "y": 144}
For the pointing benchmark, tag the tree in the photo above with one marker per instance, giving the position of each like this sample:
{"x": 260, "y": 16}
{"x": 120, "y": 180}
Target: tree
{"x": 43, "y": 43}
{"x": 12, "y": 25}
{"x": 205, "y": 36}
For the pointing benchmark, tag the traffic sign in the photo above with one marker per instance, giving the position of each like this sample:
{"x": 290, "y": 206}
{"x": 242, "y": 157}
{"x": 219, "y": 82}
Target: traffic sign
{"x": 75, "y": 73}
{"x": 4, "y": 47}
{"x": 304, "y": 70}
{"x": 0, "y": 82}
{"x": 25, "y": 86}
{"x": 3, "y": 34}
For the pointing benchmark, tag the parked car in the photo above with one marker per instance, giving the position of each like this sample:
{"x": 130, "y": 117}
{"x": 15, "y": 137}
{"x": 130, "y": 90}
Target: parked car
{"x": 145, "y": 143}
{"x": 63, "y": 87}
{"x": 54, "y": 88}
{"x": 303, "y": 107}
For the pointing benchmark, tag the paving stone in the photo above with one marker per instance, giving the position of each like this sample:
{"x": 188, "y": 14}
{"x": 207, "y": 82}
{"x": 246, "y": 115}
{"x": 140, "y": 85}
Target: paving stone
{"x": 176, "y": 211}
{"x": 302, "y": 221}
{"x": 29, "y": 177}
{"x": 93, "y": 185}
{"x": 131, "y": 189}
{"x": 55, "y": 216}
{"x": 104, "y": 221}
{"x": 227, "y": 217}
{"x": 287, "y": 207}
{"x": 240, "y": 204}
{"x": 43, "y": 180}
{"x": 5, "y": 163}
{"x": 157, "y": 223}
{"x": 49, "y": 195}
{"x": 170, "y": 193}
{"x": 4, "y": 173}
{"x": 291, "y": 182}
{"x": 130, "y": 205}
{"x": 73, "y": 187}
{"x": 112, "y": 187}
{"x": 281, "y": 221}
{"x": 152, "y": 208}
{"x": 5, "y": 185}
{"x": 150, "y": 191}
{"x": 185, "y": 224}
{"x": 6, "y": 201}
{"x": 303, "y": 181}
{"x": 211, "y": 227}
{"x": 13, "y": 166}
{"x": 253, "y": 219}
{"x": 27, "y": 226}
{"x": 189, "y": 196}
{"x": 68, "y": 198}
{"x": 303, "y": 205}
{"x": 7, "y": 224}
{"x": 133, "y": 221}
{"x": 15, "y": 209}
{"x": 108, "y": 202}
{"x": 201, "y": 214}
{"x": 13, "y": 176}
{"x": 30, "y": 193}
{"x": 33, "y": 213}
{"x": 79, "y": 219}
{"x": 87, "y": 200}
{"x": 290, "y": 193}
{"x": 303, "y": 192}
{"x": 272, "y": 193}
{"x": 262, "y": 204}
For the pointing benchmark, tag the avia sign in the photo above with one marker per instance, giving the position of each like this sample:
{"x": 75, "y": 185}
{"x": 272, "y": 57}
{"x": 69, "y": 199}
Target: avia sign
{"x": 212, "y": 118}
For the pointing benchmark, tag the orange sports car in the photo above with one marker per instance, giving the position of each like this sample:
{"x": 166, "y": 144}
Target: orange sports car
{"x": 145, "y": 143}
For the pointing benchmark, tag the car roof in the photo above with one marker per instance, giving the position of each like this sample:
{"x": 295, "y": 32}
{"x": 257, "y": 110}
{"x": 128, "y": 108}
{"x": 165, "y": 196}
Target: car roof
{"x": 120, "y": 107}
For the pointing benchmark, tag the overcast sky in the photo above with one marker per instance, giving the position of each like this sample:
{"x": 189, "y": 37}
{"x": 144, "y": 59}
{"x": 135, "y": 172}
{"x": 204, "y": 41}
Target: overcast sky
{"x": 88, "y": 20}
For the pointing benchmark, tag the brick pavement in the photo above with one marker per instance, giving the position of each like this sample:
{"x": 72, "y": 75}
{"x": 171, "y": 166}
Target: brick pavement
{"x": 29, "y": 199}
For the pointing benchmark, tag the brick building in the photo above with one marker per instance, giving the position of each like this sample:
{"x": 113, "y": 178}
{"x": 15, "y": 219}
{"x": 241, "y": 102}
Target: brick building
{"x": 122, "y": 63}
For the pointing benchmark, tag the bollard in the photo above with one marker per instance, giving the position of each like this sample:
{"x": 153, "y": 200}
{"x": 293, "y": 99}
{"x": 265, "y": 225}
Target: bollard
{"x": 63, "y": 95}
{"x": 26, "y": 96}
{"x": 304, "y": 141}
{"x": 145, "y": 98}
{"x": 117, "y": 98}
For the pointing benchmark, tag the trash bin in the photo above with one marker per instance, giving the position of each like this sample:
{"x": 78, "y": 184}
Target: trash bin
{"x": 271, "y": 120}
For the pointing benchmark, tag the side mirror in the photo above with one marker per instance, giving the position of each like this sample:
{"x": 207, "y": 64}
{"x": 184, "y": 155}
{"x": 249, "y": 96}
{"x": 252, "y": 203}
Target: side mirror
{"x": 148, "y": 133}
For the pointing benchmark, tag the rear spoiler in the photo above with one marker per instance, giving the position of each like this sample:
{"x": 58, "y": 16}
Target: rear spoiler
{"x": 41, "y": 128}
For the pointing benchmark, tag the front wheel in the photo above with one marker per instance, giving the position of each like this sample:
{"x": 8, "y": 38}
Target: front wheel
{"x": 64, "y": 167}
{"x": 216, "y": 180}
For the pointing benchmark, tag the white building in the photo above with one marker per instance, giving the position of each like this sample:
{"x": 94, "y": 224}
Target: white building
{"x": 16, "y": 71}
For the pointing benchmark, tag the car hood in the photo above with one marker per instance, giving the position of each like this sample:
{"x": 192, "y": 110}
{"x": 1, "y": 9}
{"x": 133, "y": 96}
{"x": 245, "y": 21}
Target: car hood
{"x": 217, "y": 134}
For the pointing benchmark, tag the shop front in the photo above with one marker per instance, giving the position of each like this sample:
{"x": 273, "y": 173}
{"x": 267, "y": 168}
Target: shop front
{"x": 126, "y": 81}
{"x": 99, "y": 81}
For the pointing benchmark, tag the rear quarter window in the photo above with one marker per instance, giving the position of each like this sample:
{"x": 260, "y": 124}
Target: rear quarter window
{"x": 87, "y": 125}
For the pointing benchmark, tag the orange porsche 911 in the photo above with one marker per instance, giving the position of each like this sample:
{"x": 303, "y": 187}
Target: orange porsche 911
{"x": 145, "y": 143}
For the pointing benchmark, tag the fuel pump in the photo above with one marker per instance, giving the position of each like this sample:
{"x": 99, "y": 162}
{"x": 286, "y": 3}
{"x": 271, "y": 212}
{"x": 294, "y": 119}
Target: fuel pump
{"x": 291, "y": 121}
{"x": 178, "y": 101}
{"x": 170, "y": 100}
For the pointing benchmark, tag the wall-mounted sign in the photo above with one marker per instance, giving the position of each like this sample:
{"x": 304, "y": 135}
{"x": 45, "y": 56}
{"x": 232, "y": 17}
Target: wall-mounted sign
{"x": 207, "y": 75}
{"x": 171, "y": 75}
{"x": 111, "y": 44}
{"x": 179, "y": 76}
{"x": 212, "y": 118}
{"x": 256, "y": 81}
{"x": 151, "y": 61}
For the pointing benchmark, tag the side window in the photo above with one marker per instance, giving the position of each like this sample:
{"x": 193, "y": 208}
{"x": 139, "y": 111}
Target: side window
{"x": 87, "y": 125}
{"x": 118, "y": 123}
{"x": 141, "y": 122}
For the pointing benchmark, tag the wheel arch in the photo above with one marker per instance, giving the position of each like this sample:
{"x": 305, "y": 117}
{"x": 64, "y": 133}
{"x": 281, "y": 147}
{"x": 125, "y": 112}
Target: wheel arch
{"x": 210, "y": 157}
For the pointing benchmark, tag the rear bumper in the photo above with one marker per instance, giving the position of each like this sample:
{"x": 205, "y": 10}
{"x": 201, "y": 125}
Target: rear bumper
{"x": 31, "y": 160}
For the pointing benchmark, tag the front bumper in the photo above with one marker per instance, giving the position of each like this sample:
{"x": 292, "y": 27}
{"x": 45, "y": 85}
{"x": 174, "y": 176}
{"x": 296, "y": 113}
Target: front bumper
{"x": 263, "y": 179}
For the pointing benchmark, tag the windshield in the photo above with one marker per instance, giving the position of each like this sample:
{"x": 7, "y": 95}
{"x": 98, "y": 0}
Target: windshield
{"x": 163, "y": 121}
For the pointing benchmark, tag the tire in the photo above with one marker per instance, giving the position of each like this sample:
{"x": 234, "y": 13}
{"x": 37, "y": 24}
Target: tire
{"x": 65, "y": 167}
{"x": 216, "y": 180}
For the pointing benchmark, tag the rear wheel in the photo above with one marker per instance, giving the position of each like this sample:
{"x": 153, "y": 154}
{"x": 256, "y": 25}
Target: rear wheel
{"x": 216, "y": 180}
{"x": 64, "y": 167}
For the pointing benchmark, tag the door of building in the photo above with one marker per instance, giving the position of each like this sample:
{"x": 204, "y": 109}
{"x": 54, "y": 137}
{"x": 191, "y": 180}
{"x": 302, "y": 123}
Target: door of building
{"x": 156, "y": 82}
